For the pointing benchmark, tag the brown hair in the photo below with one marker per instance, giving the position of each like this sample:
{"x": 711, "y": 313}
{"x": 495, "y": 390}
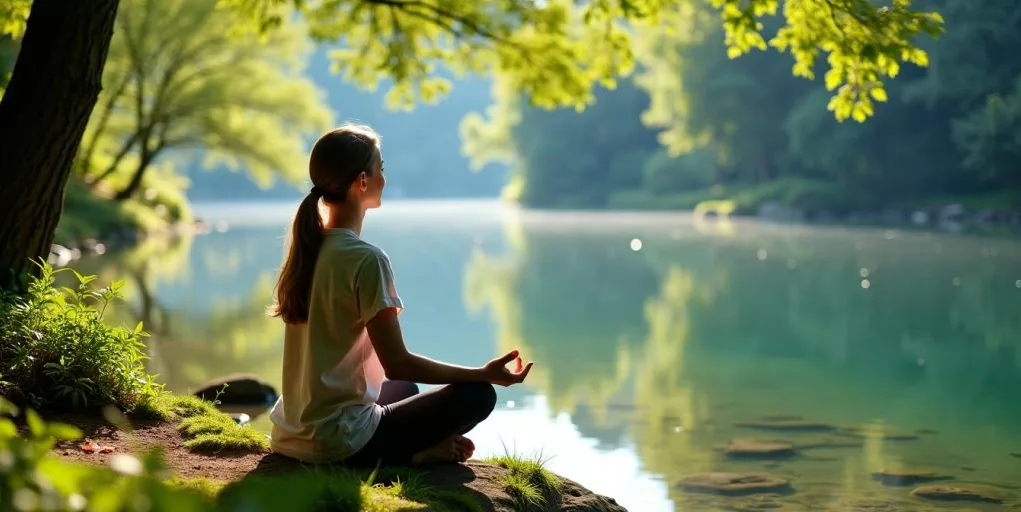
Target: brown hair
{"x": 336, "y": 161}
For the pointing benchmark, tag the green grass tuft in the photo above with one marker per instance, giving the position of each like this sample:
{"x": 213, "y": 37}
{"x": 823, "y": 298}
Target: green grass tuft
{"x": 528, "y": 481}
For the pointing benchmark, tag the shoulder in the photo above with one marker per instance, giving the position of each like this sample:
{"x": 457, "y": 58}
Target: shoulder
{"x": 354, "y": 252}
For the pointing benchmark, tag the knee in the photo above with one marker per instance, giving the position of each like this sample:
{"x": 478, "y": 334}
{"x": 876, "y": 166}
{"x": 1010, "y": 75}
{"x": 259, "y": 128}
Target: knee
{"x": 480, "y": 397}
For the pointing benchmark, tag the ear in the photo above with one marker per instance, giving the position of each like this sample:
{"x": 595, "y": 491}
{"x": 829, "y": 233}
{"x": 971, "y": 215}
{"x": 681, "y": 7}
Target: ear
{"x": 363, "y": 181}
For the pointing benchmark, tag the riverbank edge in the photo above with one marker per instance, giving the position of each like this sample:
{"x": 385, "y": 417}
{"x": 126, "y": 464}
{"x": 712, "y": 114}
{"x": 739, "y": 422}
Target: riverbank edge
{"x": 507, "y": 483}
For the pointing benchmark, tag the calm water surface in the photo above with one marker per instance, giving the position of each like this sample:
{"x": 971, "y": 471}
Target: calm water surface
{"x": 652, "y": 337}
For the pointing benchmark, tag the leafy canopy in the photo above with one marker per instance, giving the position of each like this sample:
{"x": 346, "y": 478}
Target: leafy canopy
{"x": 555, "y": 51}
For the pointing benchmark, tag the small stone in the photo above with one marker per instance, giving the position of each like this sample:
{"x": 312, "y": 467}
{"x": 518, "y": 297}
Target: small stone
{"x": 771, "y": 423}
{"x": 751, "y": 448}
{"x": 959, "y": 492}
{"x": 907, "y": 476}
{"x": 735, "y": 484}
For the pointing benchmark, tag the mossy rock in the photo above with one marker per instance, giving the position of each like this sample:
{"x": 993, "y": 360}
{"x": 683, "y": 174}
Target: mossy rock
{"x": 735, "y": 484}
{"x": 757, "y": 449}
{"x": 960, "y": 492}
{"x": 907, "y": 476}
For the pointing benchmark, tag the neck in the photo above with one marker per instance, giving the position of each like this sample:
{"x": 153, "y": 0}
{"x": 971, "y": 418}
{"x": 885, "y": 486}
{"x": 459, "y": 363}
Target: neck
{"x": 344, "y": 216}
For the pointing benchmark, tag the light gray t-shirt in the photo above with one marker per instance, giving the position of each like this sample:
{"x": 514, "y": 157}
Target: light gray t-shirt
{"x": 327, "y": 409}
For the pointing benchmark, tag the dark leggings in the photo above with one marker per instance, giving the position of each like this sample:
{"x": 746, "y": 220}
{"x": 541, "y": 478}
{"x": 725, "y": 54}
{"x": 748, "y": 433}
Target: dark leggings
{"x": 414, "y": 421}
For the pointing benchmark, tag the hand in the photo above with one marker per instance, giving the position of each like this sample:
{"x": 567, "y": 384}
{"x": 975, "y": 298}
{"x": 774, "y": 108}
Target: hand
{"x": 496, "y": 371}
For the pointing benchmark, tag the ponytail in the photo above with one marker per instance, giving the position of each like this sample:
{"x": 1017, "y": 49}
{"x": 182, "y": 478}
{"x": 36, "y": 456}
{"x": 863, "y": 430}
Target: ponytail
{"x": 337, "y": 158}
{"x": 294, "y": 286}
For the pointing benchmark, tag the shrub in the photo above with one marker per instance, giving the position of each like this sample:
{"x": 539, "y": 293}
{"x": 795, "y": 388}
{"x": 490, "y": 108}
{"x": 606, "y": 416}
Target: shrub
{"x": 58, "y": 354}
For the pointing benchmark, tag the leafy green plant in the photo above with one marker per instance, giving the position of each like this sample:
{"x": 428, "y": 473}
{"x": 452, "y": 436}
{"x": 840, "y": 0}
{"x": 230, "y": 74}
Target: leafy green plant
{"x": 31, "y": 478}
{"x": 58, "y": 354}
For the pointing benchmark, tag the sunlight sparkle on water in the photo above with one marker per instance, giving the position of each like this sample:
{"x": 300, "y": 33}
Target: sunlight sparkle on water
{"x": 865, "y": 283}
{"x": 864, "y": 272}
{"x": 636, "y": 244}
{"x": 762, "y": 254}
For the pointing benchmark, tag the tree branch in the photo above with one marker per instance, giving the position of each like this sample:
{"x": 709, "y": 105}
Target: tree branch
{"x": 445, "y": 19}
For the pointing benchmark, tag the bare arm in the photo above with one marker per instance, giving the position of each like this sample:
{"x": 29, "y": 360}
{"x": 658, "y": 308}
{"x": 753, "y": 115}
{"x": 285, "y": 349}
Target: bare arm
{"x": 400, "y": 364}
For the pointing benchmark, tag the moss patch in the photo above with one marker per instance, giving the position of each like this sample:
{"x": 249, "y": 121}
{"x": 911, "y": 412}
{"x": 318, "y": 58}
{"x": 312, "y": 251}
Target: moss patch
{"x": 204, "y": 428}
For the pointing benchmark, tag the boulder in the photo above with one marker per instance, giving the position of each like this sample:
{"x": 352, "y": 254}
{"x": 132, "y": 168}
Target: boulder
{"x": 241, "y": 389}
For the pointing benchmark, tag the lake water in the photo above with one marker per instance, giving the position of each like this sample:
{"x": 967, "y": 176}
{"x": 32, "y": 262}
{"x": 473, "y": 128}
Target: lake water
{"x": 653, "y": 336}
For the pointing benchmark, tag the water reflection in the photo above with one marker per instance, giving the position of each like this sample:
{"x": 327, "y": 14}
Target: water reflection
{"x": 646, "y": 356}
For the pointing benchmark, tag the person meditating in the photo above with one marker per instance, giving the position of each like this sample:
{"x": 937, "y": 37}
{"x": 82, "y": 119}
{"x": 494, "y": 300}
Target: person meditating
{"x": 349, "y": 392}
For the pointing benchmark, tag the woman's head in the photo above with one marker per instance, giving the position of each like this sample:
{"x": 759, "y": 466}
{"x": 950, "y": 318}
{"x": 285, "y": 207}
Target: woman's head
{"x": 346, "y": 169}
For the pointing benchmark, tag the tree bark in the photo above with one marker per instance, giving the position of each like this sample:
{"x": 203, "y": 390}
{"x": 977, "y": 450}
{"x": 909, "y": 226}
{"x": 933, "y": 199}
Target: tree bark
{"x": 53, "y": 89}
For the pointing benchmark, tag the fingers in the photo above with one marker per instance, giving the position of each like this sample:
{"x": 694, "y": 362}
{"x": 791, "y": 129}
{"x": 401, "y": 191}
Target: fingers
{"x": 508, "y": 357}
{"x": 522, "y": 374}
{"x": 517, "y": 365}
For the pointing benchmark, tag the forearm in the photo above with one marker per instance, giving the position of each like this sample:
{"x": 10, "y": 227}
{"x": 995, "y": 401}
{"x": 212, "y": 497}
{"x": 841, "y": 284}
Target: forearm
{"x": 420, "y": 369}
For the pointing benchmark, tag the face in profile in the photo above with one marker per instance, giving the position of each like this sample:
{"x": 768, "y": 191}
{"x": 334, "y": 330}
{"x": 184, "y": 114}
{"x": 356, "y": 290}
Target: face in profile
{"x": 370, "y": 186}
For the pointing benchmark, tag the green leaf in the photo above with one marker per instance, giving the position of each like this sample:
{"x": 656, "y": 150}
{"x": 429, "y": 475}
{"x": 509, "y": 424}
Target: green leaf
{"x": 63, "y": 432}
{"x": 878, "y": 94}
{"x": 35, "y": 424}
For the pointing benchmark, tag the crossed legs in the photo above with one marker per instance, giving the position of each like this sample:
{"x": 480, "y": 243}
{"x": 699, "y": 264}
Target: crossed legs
{"x": 419, "y": 428}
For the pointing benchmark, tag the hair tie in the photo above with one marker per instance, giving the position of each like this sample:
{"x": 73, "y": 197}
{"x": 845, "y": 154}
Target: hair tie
{"x": 317, "y": 192}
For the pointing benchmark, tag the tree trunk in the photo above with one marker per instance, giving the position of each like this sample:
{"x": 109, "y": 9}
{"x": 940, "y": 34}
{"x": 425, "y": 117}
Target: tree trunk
{"x": 55, "y": 85}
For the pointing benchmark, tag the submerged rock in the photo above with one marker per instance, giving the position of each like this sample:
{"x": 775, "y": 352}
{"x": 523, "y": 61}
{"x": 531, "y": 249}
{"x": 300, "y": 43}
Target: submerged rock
{"x": 907, "y": 476}
{"x": 829, "y": 442}
{"x": 752, "y": 448}
{"x": 1015, "y": 454}
{"x": 927, "y": 431}
{"x": 785, "y": 423}
{"x": 886, "y": 435}
{"x": 735, "y": 484}
{"x": 960, "y": 492}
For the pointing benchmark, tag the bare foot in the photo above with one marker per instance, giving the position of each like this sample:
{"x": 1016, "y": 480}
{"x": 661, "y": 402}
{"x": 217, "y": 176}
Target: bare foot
{"x": 467, "y": 446}
{"x": 451, "y": 450}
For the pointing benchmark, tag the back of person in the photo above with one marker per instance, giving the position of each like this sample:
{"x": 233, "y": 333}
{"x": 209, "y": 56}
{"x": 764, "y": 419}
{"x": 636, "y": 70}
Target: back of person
{"x": 332, "y": 376}
{"x": 349, "y": 382}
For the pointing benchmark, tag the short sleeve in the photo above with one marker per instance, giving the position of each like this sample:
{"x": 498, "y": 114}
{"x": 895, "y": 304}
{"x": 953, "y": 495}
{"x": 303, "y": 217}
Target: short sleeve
{"x": 374, "y": 286}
